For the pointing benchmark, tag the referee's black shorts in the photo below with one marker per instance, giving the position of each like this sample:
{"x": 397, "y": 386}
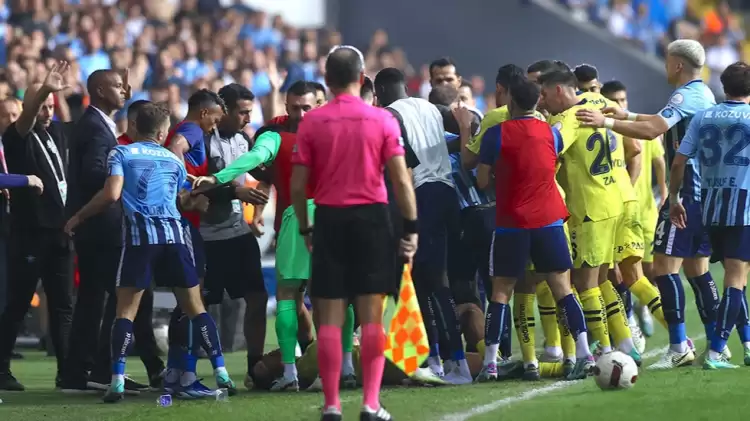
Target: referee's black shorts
{"x": 352, "y": 252}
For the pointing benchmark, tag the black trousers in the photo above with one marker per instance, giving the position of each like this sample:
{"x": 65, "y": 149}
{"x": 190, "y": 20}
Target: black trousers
{"x": 145, "y": 341}
{"x": 96, "y": 305}
{"x": 34, "y": 254}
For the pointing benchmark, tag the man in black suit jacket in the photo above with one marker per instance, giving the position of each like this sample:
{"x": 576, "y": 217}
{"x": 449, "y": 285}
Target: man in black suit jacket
{"x": 98, "y": 241}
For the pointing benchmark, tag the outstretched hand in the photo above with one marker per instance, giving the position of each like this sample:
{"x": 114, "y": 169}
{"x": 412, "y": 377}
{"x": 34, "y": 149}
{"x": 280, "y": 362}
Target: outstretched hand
{"x": 56, "y": 79}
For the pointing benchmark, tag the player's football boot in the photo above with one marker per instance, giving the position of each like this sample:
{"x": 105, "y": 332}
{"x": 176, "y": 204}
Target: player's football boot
{"x": 223, "y": 381}
{"x": 568, "y": 366}
{"x": 487, "y": 374}
{"x": 316, "y": 385}
{"x": 331, "y": 414}
{"x": 368, "y": 414}
{"x": 115, "y": 393}
{"x": 546, "y": 357}
{"x": 582, "y": 368}
{"x": 636, "y": 356}
{"x": 348, "y": 381}
{"x": 284, "y": 384}
{"x": 195, "y": 390}
{"x": 726, "y": 354}
{"x": 531, "y": 373}
{"x": 639, "y": 340}
{"x": 747, "y": 356}
{"x": 511, "y": 370}
{"x": 718, "y": 364}
{"x": 646, "y": 321}
{"x": 425, "y": 376}
{"x": 673, "y": 359}
{"x": 459, "y": 375}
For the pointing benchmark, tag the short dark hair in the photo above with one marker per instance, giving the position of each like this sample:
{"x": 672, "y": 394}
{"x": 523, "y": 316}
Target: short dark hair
{"x": 509, "y": 74}
{"x": 545, "y": 66}
{"x": 233, "y": 93}
{"x": 150, "y": 118}
{"x": 343, "y": 67}
{"x": 388, "y": 77}
{"x": 467, "y": 84}
{"x": 558, "y": 77}
{"x": 205, "y": 99}
{"x": 135, "y": 107}
{"x": 442, "y": 62}
{"x": 443, "y": 95}
{"x": 319, "y": 87}
{"x": 736, "y": 80}
{"x": 368, "y": 88}
{"x": 525, "y": 94}
{"x": 586, "y": 73}
{"x": 609, "y": 88}
{"x": 96, "y": 78}
{"x": 301, "y": 88}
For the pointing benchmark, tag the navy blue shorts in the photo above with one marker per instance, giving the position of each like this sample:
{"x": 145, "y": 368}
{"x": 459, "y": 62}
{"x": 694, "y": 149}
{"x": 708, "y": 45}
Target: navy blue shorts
{"x": 171, "y": 265}
{"x": 512, "y": 249}
{"x": 730, "y": 243}
{"x": 194, "y": 241}
{"x": 689, "y": 242}
{"x": 439, "y": 220}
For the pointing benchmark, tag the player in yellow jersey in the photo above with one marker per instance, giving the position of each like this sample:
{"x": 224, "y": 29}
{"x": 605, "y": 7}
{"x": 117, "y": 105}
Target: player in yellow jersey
{"x": 640, "y": 169}
{"x": 629, "y": 234}
{"x": 593, "y": 197}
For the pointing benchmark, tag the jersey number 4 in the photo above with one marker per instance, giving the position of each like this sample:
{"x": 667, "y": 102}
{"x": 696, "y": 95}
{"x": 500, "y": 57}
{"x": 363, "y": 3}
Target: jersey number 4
{"x": 604, "y": 147}
{"x": 711, "y": 135}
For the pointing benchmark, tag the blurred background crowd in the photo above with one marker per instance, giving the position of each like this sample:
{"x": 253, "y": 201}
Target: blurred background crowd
{"x": 173, "y": 48}
{"x": 652, "y": 24}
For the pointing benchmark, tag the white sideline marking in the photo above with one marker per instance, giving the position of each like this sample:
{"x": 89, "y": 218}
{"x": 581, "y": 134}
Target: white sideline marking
{"x": 533, "y": 393}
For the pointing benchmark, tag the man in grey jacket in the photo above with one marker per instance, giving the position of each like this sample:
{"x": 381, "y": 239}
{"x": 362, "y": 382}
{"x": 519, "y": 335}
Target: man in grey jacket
{"x": 232, "y": 252}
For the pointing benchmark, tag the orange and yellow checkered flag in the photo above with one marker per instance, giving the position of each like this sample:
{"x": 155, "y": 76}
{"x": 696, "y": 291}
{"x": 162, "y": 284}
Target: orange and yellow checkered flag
{"x": 406, "y": 341}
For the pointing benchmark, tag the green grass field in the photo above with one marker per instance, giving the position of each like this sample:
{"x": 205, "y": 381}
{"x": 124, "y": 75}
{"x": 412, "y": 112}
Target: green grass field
{"x": 686, "y": 394}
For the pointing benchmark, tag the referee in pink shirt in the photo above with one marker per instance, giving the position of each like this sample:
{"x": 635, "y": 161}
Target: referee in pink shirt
{"x": 343, "y": 147}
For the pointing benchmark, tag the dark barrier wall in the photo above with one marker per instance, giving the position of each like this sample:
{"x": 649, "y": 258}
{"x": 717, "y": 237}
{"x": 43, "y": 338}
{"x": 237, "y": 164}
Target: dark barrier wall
{"x": 482, "y": 35}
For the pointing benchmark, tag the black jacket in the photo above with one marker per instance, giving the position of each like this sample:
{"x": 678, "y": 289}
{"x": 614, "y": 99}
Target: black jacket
{"x": 90, "y": 144}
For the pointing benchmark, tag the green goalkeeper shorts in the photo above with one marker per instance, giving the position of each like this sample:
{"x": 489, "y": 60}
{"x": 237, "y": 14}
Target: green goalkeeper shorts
{"x": 292, "y": 257}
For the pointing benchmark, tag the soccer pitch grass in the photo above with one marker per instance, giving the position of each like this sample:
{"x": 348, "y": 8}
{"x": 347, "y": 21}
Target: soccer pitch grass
{"x": 686, "y": 394}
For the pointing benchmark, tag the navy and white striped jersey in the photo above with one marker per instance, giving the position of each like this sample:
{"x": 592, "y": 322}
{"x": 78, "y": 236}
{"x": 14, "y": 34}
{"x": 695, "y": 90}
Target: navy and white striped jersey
{"x": 152, "y": 178}
{"x": 719, "y": 138}
{"x": 465, "y": 182}
{"x": 686, "y": 100}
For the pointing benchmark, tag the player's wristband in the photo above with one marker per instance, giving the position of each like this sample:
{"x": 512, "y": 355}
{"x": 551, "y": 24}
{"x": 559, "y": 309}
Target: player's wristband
{"x": 306, "y": 231}
{"x": 609, "y": 123}
{"x": 674, "y": 199}
{"x": 410, "y": 227}
{"x": 632, "y": 116}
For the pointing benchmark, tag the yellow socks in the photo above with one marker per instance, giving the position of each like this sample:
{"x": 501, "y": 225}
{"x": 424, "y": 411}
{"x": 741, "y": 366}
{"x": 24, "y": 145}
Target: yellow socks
{"x": 617, "y": 320}
{"x": 648, "y": 295}
{"x": 596, "y": 319}
{"x": 523, "y": 314}
{"x": 548, "y": 314}
{"x": 551, "y": 370}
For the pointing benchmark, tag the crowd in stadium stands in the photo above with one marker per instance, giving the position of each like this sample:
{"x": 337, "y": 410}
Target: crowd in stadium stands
{"x": 653, "y": 24}
{"x": 174, "y": 50}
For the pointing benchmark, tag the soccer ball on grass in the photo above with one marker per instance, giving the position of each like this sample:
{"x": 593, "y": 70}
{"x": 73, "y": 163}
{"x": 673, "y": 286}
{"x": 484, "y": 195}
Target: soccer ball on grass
{"x": 615, "y": 370}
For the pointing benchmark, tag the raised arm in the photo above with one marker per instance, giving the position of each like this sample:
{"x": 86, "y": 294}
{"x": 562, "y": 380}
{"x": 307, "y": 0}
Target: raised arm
{"x": 37, "y": 95}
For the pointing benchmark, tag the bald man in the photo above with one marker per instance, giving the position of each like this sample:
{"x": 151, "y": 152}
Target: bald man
{"x": 98, "y": 241}
{"x": 37, "y": 245}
